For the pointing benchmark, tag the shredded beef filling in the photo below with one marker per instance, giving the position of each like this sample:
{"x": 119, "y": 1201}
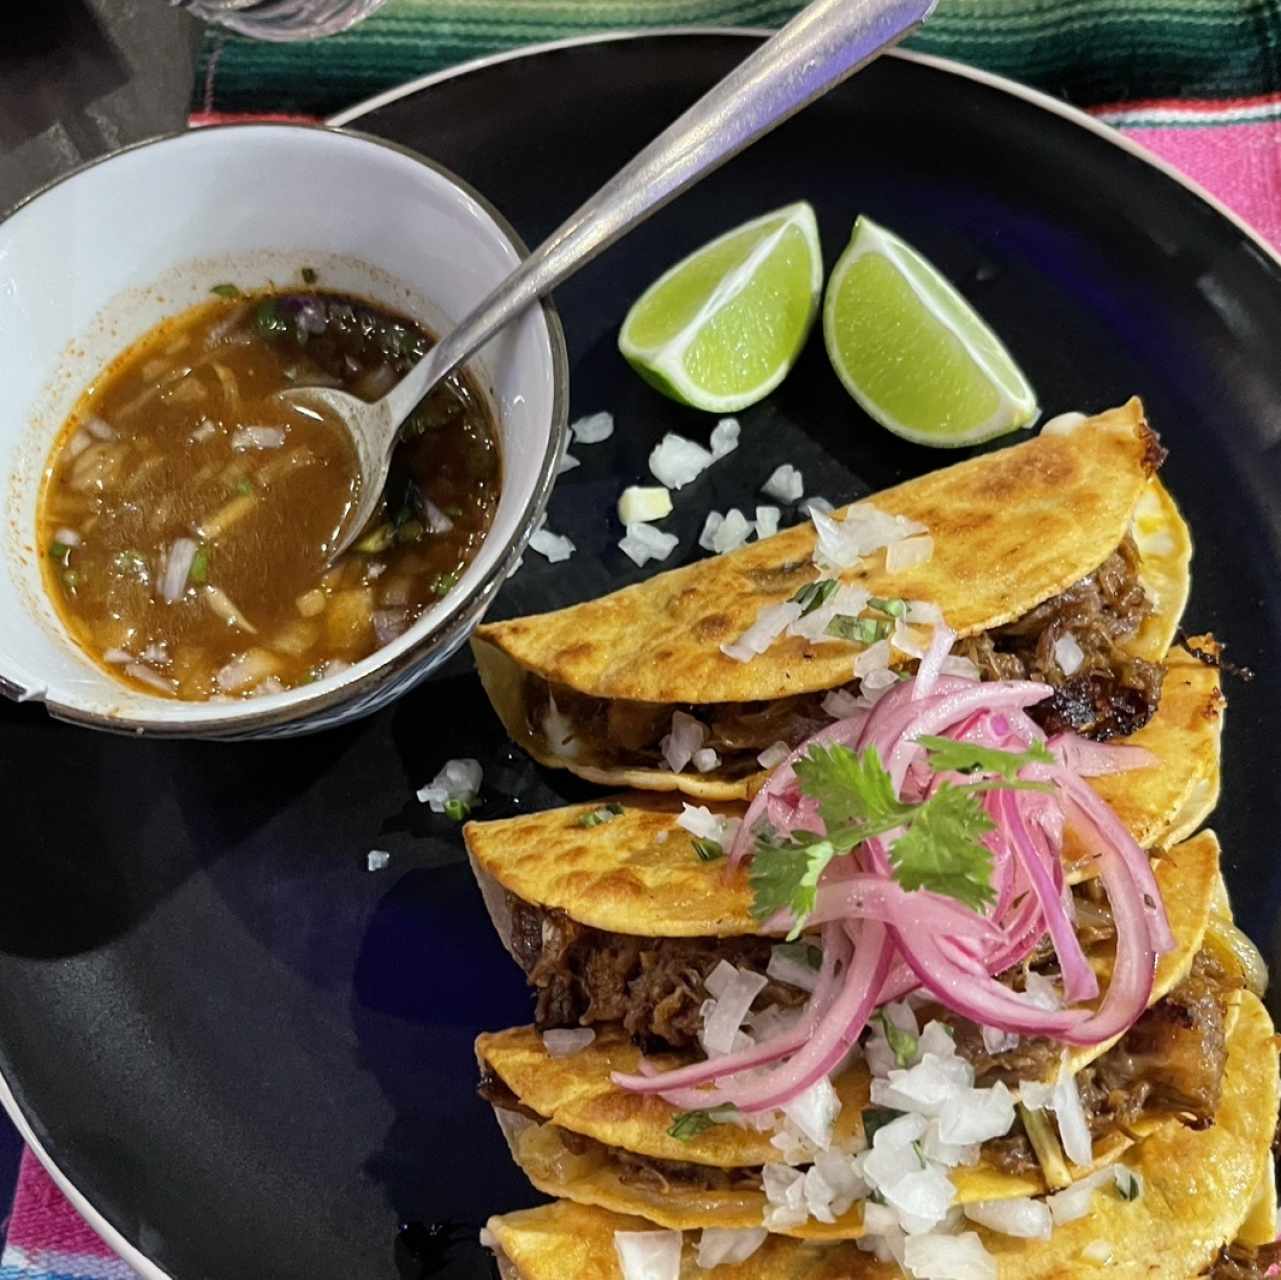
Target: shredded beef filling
{"x": 1171, "y": 1059}
{"x": 654, "y": 987}
{"x": 1109, "y": 695}
{"x": 1240, "y": 1262}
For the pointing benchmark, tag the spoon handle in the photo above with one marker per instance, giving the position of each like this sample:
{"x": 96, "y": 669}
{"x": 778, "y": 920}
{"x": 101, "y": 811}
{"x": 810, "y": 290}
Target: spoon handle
{"x": 822, "y": 45}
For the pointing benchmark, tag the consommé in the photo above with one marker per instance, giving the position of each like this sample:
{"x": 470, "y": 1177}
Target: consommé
{"x": 188, "y": 517}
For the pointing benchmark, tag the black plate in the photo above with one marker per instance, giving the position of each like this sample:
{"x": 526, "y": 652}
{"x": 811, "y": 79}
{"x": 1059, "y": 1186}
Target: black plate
{"x": 252, "y": 1056}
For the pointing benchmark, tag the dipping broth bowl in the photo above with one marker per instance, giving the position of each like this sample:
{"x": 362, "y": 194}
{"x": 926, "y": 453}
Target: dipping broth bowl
{"x": 94, "y": 261}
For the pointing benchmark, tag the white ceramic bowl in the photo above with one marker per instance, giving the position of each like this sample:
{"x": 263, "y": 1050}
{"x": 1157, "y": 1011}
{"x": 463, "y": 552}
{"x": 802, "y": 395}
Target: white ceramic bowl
{"x": 92, "y": 262}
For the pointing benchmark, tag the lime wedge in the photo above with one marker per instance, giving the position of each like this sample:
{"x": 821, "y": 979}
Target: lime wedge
{"x": 913, "y": 352}
{"x": 721, "y": 329}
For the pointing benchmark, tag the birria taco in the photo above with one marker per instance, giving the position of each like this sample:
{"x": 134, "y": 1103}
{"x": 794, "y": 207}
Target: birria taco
{"x": 1061, "y": 559}
{"x": 1182, "y": 1208}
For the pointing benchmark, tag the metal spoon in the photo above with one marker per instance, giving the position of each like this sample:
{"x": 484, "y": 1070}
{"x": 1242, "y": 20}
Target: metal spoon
{"x": 826, "y": 42}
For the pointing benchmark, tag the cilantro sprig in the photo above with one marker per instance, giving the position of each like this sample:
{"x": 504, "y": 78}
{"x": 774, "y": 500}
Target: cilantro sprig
{"x": 940, "y": 842}
{"x": 689, "y": 1124}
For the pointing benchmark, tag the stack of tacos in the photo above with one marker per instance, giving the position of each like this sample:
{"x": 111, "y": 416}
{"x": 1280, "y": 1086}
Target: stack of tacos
{"x": 701, "y": 1094}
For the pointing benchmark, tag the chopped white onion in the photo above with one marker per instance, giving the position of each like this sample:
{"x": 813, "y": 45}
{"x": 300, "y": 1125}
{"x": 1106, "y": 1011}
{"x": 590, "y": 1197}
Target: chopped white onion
{"x": 785, "y": 967}
{"x": 641, "y": 502}
{"x": 770, "y": 623}
{"x": 841, "y": 544}
{"x": 142, "y": 672}
{"x": 177, "y": 567}
{"x": 923, "y": 611}
{"x": 719, "y": 1245}
{"x": 845, "y": 601}
{"x": 377, "y": 859}
{"x": 156, "y": 653}
{"x": 117, "y": 657}
{"x": 811, "y": 505}
{"x": 648, "y": 1255}
{"x": 389, "y": 624}
{"x": 1098, "y": 1253}
{"x": 223, "y": 605}
{"x": 723, "y": 1020}
{"x": 705, "y": 759}
{"x": 814, "y": 1111}
{"x": 203, "y": 432}
{"x": 840, "y": 704}
{"x": 68, "y": 537}
{"x": 766, "y": 522}
{"x": 963, "y": 667}
{"x": 566, "y": 1042}
{"x": 785, "y": 483}
{"x": 558, "y": 729}
{"x": 908, "y": 554}
{"x": 1074, "y": 1201}
{"x": 876, "y": 657}
{"x": 77, "y": 445}
{"x": 946, "y": 1257}
{"x": 644, "y": 543}
{"x": 246, "y": 670}
{"x": 96, "y": 427}
{"x": 556, "y": 547}
{"x": 785, "y": 1191}
{"x": 567, "y": 463}
{"x": 997, "y": 1041}
{"x": 1020, "y": 1216}
{"x": 710, "y": 525}
{"x": 724, "y": 438}
{"x": 457, "y": 780}
{"x": 909, "y": 640}
{"x": 703, "y": 824}
{"x": 1074, "y": 1129}
{"x": 677, "y": 461}
{"x": 976, "y": 1115}
{"x": 257, "y": 438}
{"x": 686, "y": 737}
{"x": 593, "y": 429}
{"x": 1063, "y": 424}
{"x": 1068, "y": 654}
{"x": 773, "y": 755}
{"x": 732, "y": 532}
{"x": 437, "y": 520}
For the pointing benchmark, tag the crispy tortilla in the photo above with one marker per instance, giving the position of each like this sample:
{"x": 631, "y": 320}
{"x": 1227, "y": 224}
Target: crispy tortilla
{"x": 1198, "y": 1190}
{"x": 1011, "y": 529}
{"x": 576, "y": 1093}
{"x": 1164, "y": 805}
{"x": 638, "y": 873}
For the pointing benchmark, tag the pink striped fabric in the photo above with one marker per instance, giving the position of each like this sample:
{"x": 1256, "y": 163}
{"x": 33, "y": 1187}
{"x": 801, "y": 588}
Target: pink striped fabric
{"x": 1233, "y": 149}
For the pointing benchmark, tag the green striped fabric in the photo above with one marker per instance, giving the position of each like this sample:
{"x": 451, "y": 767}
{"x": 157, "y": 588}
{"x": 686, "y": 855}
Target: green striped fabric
{"x": 1089, "y": 51}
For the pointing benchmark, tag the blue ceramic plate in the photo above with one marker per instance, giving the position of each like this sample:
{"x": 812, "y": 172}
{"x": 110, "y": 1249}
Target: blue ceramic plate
{"x": 252, "y": 1057}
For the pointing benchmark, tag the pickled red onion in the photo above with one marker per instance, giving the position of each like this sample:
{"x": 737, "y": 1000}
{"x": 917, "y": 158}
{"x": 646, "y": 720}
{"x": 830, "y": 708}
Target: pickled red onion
{"x": 903, "y": 940}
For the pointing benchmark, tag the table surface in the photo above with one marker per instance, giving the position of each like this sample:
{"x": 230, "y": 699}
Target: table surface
{"x": 79, "y": 78}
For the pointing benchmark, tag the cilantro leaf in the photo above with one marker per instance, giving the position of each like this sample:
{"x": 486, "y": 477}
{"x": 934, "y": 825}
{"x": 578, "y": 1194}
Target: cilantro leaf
{"x": 852, "y": 788}
{"x": 903, "y": 1044}
{"x": 708, "y": 850}
{"x": 689, "y": 1124}
{"x": 949, "y": 756}
{"x": 814, "y": 595}
{"x": 864, "y": 631}
{"x": 941, "y": 851}
{"x": 875, "y": 1118}
{"x": 895, "y": 607}
{"x": 784, "y": 877}
{"x": 606, "y": 813}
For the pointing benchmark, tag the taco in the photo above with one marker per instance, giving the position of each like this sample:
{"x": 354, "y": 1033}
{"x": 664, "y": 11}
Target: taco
{"x": 1177, "y": 1207}
{"x": 577, "y": 1134}
{"x": 1061, "y": 559}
